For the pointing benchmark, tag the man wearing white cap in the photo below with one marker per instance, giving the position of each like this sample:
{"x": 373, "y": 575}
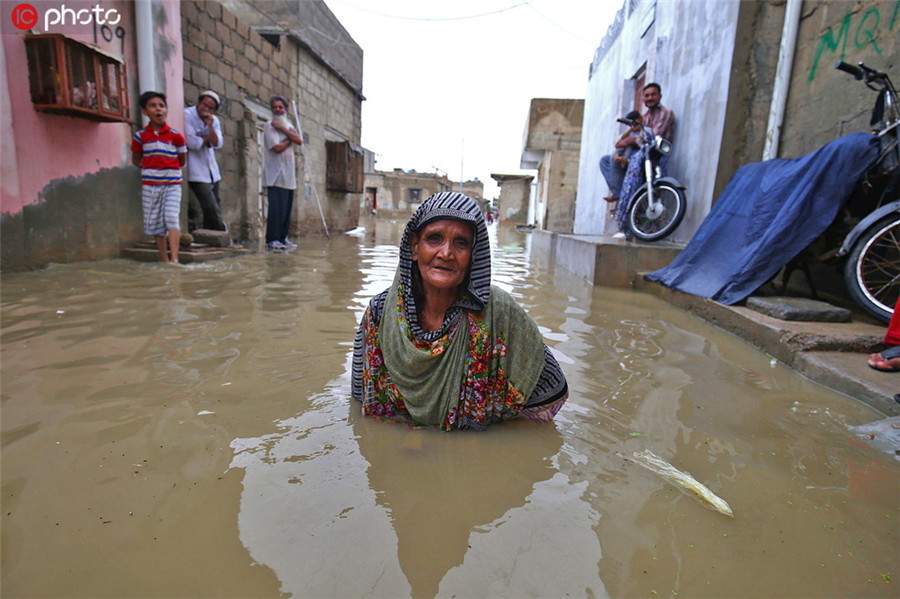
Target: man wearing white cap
{"x": 204, "y": 136}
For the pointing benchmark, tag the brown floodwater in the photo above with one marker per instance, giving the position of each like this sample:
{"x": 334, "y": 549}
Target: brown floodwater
{"x": 189, "y": 432}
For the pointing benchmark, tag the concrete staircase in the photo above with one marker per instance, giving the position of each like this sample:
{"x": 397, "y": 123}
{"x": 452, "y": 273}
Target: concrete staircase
{"x": 145, "y": 251}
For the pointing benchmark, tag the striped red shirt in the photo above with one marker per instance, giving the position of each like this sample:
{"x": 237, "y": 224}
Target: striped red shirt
{"x": 159, "y": 154}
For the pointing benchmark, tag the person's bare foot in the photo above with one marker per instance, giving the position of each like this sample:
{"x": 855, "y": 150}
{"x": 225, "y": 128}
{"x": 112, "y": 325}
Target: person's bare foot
{"x": 886, "y": 361}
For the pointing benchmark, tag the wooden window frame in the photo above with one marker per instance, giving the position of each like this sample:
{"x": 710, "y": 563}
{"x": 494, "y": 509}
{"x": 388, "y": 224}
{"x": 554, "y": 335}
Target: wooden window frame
{"x": 61, "y": 47}
{"x": 343, "y": 167}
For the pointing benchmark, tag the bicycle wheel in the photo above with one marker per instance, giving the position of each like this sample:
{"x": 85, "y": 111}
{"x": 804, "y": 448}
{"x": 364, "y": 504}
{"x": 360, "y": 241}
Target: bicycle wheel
{"x": 872, "y": 271}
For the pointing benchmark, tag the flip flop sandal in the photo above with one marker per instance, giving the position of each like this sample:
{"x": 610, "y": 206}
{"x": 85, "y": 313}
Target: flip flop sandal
{"x": 892, "y": 353}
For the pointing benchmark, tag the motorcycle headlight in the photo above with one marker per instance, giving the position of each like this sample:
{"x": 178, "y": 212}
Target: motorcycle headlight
{"x": 664, "y": 146}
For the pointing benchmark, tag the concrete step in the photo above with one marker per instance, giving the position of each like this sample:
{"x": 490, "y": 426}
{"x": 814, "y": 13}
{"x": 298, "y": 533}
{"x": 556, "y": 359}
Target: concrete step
{"x": 192, "y": 256}
{"x": 798, "y": 308}
{"x": 212, "y": 237}
{"x": 832, "y": 354}
{"x": 781, "y": 338}
{"x": 152, "y": 245}
{"x": 601, "y": 260}
{"x": 849, "y": 373}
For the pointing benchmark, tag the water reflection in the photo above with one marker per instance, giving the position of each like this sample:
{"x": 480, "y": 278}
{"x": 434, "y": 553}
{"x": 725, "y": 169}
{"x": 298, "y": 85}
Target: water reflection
{"x": 439, "y": 489}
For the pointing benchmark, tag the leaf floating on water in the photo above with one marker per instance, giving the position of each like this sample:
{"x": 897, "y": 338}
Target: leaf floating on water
{"x": 682, "y": 480}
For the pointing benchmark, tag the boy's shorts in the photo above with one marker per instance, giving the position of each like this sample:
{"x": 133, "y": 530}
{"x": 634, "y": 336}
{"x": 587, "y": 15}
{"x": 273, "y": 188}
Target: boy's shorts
{"x": 162, "y": 208}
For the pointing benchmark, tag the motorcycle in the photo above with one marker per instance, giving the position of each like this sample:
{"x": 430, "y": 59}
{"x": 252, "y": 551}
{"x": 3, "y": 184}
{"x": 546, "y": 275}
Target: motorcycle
{"x": 658, "y": 206}
{"x": 872, "y": 247}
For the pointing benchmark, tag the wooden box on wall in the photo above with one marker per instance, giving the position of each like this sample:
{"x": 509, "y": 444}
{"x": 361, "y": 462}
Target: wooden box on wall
{"x": 75, "y": 79}
{"x": 344, "y": 167}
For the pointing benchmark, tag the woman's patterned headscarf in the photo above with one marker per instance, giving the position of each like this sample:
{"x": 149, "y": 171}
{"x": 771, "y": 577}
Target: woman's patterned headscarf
{"x": 456, "y": 206}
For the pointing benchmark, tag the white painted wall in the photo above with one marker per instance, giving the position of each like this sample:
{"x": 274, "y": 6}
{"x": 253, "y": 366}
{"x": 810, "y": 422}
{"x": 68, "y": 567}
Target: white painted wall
{"x": 688, "y": 51}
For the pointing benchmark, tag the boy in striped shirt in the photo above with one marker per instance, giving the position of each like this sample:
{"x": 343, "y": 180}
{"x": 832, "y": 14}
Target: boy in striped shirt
{"x": 160, "y": 152}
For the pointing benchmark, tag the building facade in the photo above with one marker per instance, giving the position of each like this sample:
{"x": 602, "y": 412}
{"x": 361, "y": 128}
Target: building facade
{"x": 398, "y": 193}
{"x": 515, "y": 195}
{"x": 716, "y": 62}
{"x": 69, "y": 105}
{"x": 687, "y": 49}
{"x": 552, "y": 146}
{"x": 247, "y": 53}
{"x": 68, "y": 191}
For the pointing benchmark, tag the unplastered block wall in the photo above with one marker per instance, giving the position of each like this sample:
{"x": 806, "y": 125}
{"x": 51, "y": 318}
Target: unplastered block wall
{"x": 554, "y": 128}
{"x": 513, "y": 203}
{"x": 397, "y": 186}
{"x": 561, "y": 187}
{"x": 383, "y": 195}
{"x": 473, "y": 189}
{"x": 332, "y": 111}
{"x": 223, "y": 54}
{"x": 329, "y": 86}
{"x": 824, "y": 103}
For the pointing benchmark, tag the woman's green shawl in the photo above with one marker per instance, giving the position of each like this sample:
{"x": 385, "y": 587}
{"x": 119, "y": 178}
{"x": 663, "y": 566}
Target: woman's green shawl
{"x": 430, "y": 378}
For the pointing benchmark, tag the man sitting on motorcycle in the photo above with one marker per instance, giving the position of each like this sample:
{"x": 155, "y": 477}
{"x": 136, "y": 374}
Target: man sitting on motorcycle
{"x": 612, "y": 166}
{"x": 661, "y": 121}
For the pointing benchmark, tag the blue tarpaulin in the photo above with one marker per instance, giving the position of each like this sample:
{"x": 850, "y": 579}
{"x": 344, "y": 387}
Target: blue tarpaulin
{"x": 769, "y": 212}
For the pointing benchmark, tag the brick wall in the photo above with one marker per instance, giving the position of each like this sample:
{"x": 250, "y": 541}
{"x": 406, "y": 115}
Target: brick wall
{"x": 222, "y": 52}
{"x": 331, "y": 112}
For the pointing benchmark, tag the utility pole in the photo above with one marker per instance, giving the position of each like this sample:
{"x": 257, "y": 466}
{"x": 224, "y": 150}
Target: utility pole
{"x": 462, "y": 153}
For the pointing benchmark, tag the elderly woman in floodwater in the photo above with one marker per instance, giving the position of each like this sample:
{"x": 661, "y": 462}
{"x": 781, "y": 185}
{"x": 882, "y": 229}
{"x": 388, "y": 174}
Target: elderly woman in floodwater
{"x": 443, "y": 347}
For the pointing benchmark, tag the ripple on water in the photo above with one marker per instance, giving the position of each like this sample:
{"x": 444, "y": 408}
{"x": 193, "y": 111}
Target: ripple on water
{"x": 281, "y": 471}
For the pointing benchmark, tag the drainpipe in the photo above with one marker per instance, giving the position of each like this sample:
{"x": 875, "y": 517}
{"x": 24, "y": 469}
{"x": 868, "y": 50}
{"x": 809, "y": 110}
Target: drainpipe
{"x": 531, "y": 203}
{"x": 782, "y": 78}
{"x": 143, "y": 21}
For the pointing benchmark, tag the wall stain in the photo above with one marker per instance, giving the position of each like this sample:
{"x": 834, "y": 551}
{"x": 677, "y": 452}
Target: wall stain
{"x": 87, "y": 217}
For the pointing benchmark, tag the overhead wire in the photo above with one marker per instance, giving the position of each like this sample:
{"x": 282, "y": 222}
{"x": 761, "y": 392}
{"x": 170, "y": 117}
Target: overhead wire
{"x": 555, "y": 24}
{"x": 436, "y": 19}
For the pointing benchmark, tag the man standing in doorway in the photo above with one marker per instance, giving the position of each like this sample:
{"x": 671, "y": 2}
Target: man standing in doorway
{"x": 204, "y": 137}
{"x": 280, "y": 175}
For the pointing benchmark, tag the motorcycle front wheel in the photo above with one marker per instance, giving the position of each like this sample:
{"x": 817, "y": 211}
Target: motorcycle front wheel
{"x": 872, "y": 271}
{"x": 654, "y": 226}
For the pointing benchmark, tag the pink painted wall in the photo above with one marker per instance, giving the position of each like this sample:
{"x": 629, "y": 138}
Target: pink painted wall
{"x": 48, "y": 146}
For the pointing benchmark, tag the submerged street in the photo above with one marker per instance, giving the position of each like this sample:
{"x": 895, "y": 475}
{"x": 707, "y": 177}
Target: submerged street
{"x": 190, "y": 432}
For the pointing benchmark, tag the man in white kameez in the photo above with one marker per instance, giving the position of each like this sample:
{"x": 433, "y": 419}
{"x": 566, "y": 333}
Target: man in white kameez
{"x": 280, "y": 175}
